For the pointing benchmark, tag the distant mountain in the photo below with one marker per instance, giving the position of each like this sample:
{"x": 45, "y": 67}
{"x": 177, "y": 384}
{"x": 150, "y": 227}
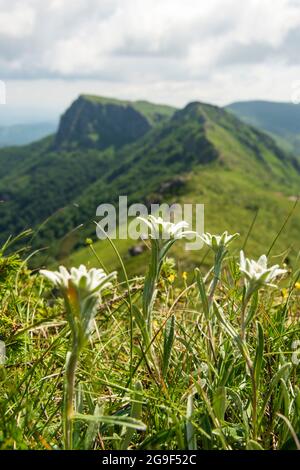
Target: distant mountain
{"x": 281, "y": 120}
{"x": 97, "y": 122}
{"x": 151, "y": 153}
{"x": 22, "y": 134}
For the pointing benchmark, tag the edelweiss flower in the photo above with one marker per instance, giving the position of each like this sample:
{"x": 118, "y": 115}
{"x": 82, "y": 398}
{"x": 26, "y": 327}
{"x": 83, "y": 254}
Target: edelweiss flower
{"x": 166, "y": 230}
{"x": 81, "y": 289}
{"x": 257, "y": 273}
{"x": 217, "y": 241}
{"x": 87, "y": 281}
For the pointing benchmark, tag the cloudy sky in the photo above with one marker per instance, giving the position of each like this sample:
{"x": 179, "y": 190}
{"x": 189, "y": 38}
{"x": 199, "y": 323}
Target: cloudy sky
{"x": 171, "y": 51}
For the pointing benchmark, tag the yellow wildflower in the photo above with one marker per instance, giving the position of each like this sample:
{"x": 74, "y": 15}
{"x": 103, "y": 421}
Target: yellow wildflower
{"x": 297, "y": 285}
{"x": 171, "y": 278}
{"x": 284, "y": 293}
{"x": 184, "y": 275}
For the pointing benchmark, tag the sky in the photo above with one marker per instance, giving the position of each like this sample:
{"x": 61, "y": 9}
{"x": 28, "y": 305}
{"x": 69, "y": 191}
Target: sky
{"x": 165, "y": 51}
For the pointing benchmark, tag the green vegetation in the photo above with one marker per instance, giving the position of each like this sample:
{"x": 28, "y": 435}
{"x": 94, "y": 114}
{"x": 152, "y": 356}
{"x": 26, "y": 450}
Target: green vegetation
{"x": 221, "y": 371}
{"x": 183, "y": 350}
{"x": 236, "y": 189}
{"x": 200, "y": 154}
{"x": 235, "y": 205}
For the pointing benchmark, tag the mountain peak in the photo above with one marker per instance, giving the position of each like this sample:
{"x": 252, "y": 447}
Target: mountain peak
{"x": 197, "y": 110}
{"x": 96, "y": 122}
{"x": 99, "y": 122}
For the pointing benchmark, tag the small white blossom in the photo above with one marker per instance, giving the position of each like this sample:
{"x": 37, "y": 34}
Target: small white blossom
{"x": 81, "y": 289}
{"x": 257, "y": 273}
{"x": 161, "y": 229}
{"x": 218, "y": 241}
{"x": 87, "y": 281}
{"x": 59, "y": 278}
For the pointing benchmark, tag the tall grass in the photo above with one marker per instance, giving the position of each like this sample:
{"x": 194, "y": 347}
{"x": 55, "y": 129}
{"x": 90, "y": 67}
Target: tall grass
{"x": 202, "y": 386}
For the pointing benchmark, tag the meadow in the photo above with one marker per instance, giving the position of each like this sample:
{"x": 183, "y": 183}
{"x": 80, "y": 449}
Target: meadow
{"x": 169, "y": 359}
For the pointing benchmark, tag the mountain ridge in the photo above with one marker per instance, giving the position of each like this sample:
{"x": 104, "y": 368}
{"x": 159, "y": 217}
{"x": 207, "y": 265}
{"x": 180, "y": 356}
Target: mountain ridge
{"x": 64, "y": 184}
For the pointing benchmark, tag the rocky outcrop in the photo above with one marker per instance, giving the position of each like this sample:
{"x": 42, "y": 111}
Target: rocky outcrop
{"x": 91, "y": 123}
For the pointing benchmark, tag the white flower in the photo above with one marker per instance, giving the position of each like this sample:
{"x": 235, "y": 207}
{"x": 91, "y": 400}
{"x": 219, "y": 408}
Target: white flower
{"x": 218, "y": 241}
{"x": 257, "y": 272}
{"x": 59, "y": 278}
{"x": 87, "y": 281}
{"x": 166, "y": 230}
{"x": 81, "y": 289}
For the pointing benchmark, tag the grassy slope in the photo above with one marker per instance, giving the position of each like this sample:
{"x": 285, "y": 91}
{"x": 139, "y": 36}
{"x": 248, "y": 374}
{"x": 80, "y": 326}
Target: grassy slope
{"x": 233, "y": 190}
{"x": 230, "y": 208}
{"x": 191, "y": 399}
{"x": 17, "y": 159}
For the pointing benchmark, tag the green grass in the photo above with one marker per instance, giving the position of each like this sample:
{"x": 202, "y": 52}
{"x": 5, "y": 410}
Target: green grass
{"x": 189, "y": 400}
{"x": 230, "y": 202}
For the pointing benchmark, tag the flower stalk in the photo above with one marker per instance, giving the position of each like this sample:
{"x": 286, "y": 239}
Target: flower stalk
{"x": 162, "y": 236}
{"x": 256, "y": 275}
{"x": 71, "y": 366}
{"x": 219, "y": 245}
{"x": 81, "y": 290}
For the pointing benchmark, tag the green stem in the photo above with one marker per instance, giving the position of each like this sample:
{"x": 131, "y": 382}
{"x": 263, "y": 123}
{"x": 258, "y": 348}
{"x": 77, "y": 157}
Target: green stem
{"x": 217, "y": 271}
{"x": 249, "y": 364}
{"x": 254, "y": 395}
{"x": 254, "y": 404}
{"x": 243, "y": 323}
{"x": 148, "y": 301}
{"x": 69, "y": 396}
{"x": 243, "y": 315}
{"x": 150, "y": 286}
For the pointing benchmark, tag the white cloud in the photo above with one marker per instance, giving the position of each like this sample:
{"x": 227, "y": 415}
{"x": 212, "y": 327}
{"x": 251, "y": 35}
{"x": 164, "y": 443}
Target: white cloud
{"x": 16, "y": 21}
{"x": 168, "y": 48}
